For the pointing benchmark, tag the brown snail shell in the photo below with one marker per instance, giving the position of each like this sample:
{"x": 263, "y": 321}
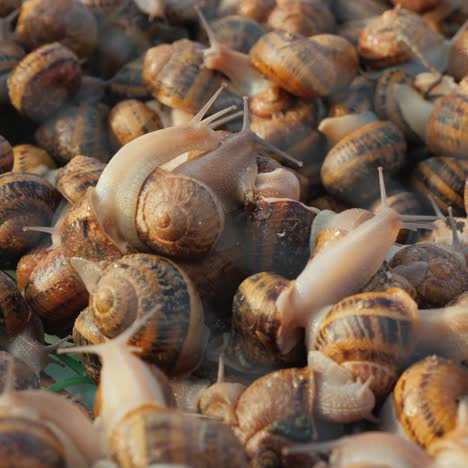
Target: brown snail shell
{"x": 14, "y": 311}
{"x": 444, "y": 180}
{"x": 176, "y": 76}
{"x": 30, "y": 158}
{"x": 278, "y": 52}
{"x": 85, "y": 332}
{"x": 43, "y": 80}
{"x": 138, "y": 283}
{"x": 458, "y": 58}
{"x": 26, "y": 200}
{"x": 8, "y": 6}
{"x": 26, "y": 265}
{"x": 437, "y": 273}
{"x": 426, "y": 398}
{"x": 278, "y": 234}
{"x": 66, "y": 21}
{"x": 255, "y": 322}
{"x": 371, "y": 334}
{"x": 74, "y": 178}
{"x": 127, "y": 83}
{"x": 182, "y": 218}
{"x": 130, "y": 119}
{"x": 303, "y": 17}
{"x": 76, "y": 130}
{"x": 169, "y": 438}
{"x": 55, "y": 292}
{"x": 237, "y": 32}
{"x": 353, "y": 161}
{"x": 354, "y": 100}
{"x": 6, "y": 156}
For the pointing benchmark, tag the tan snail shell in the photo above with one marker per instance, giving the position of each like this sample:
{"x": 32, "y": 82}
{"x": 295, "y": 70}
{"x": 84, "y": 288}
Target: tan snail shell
{"x": 426, "y": 398}
{"x": 30, "y": 158}
{"x": 43, "y": 80}
{"x": 136, "y": 284}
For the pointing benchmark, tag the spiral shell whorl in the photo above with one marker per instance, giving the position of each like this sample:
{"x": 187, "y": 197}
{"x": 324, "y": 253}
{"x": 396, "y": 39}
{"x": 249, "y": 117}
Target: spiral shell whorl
{"x": 181, "y": 218}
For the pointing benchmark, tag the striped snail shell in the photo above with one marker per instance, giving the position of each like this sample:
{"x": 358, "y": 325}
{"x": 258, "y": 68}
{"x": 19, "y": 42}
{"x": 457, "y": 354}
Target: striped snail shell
{"x": 66, "y": 21}
{"x": 25, "y": 200}
{"x": 76, "y": 130}
{"x": 6, "y": 156}
{"x": 385, "y": 279}
{"x": 30, "y": 158}
{"x": 75, "y": 177}
{"x": 427, "y": 396}
{"x": 181, "y": 218}
{"x": 127, "y": 83}
{"x": 308, "y": 68}
{"x": 26, "y": 265}
{"x": 85, "y": 332}
{"x": 444, "y": 180}
{"x": 176, "y": 76}
{"x": 255, "y": 324}
{"x": 237, "y": 32}
{"x": 44, "y": 80}
{"x": 14, "y": 311}
{"x": 139, "y": 283}
{"x": 371, "y": 334}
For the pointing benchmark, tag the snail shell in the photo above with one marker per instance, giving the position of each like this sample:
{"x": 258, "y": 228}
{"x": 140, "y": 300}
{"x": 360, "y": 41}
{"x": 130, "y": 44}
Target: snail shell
{"x": 426, "y": 398}
{"x": 26, "y": 265}
{"x": 138, "y": 283}
{"x": 359, "y": 9}
{"x": 44, "y": 80}
{"x": 14, "y": 311}
{"x": 371, "y": 334}
{"x": 458, "y": 58}
{"x": 25, "y": 200}
{"x": 10, "y": 55}
{"x": 75, "y": 177}
{"x": 419, "y": 6}
{"x": 385, "y": 279}
{"x": 7, "y": 6}
{"x": 255, "y": 9}
{"x": 76, "y": 130}
{"x": 356, "y": 99}
{"x": 444, "y": 180}
{"x": 127, "y": 83}
{"x": 278, "y": 52}
{"x": 6, "y": 156}
{"x": 55, "y": 292}
{"x": 30, "y": 158}
{"x": 85, "y": 332}
{"x": 66, "y": 21}
{"x": 24, "y": 377}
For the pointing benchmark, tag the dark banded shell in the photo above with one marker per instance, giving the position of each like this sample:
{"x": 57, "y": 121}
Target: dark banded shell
{"x": 349, "y": 170}
{"x": 26, "y": 442}
{"x": 306, "y": 18}
{"x": 66, "y": 21}
{"x": 30, "y": 158}
{"x": 81, "y": 234}
{"x": 80, "y": 173}
{"x": 85, "y": 333}
{"x": 237, "y": 32}
{"x": 76, "y": 130}
{"x": 447, "y": 132}
{"x": 150, "y": 435}
{"x": 178, "y": 215}
{"x": 44, "y": 80}
{"x": 278, "y": 234}
{"x": 385, "y": 103}
{"x": 372, "y": 334}
{"x": 10, "y": 54}
{"x": 130, "y": 119}
{"x": 255, "y": 325}
{"x": 176, "y": 76}
{"x": 435, "y": 271}
{"x": 26, "y": 265}
{"x": 128, "y": 81}
{"x": 356, "y": 99}
{"x": 444, "y": 180}
{"x": 6, "y": 156}
{"x": 25, "y": 200}
{"x": 308, "y": 68}
{"x": 427, "y": 397}
{"x": 14, "y": 311}
{"x": 138, "y": 284}
{"x": 56, "y": 293}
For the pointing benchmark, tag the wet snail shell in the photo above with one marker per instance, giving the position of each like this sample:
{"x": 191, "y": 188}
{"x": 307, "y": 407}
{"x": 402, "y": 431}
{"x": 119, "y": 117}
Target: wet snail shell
{"x": 136, "y": 284}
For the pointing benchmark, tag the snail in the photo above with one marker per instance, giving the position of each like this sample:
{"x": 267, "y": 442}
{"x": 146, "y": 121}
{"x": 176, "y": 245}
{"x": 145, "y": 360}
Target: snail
{"x": 10, "y": 54}
{"x": 6, "y": 155}
{"x": 43, "y": 80}
{"x": 134, "y": 399}
{"x": 66, "y": 21}
{"x": 26, "y": 200}
{"x": 276, "y": 309}
{"x": 30, "y": 158}
{"x": 137, "y": 284}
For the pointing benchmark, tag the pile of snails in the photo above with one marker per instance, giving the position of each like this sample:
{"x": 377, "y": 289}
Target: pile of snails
{"x": 250, "y": 217}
